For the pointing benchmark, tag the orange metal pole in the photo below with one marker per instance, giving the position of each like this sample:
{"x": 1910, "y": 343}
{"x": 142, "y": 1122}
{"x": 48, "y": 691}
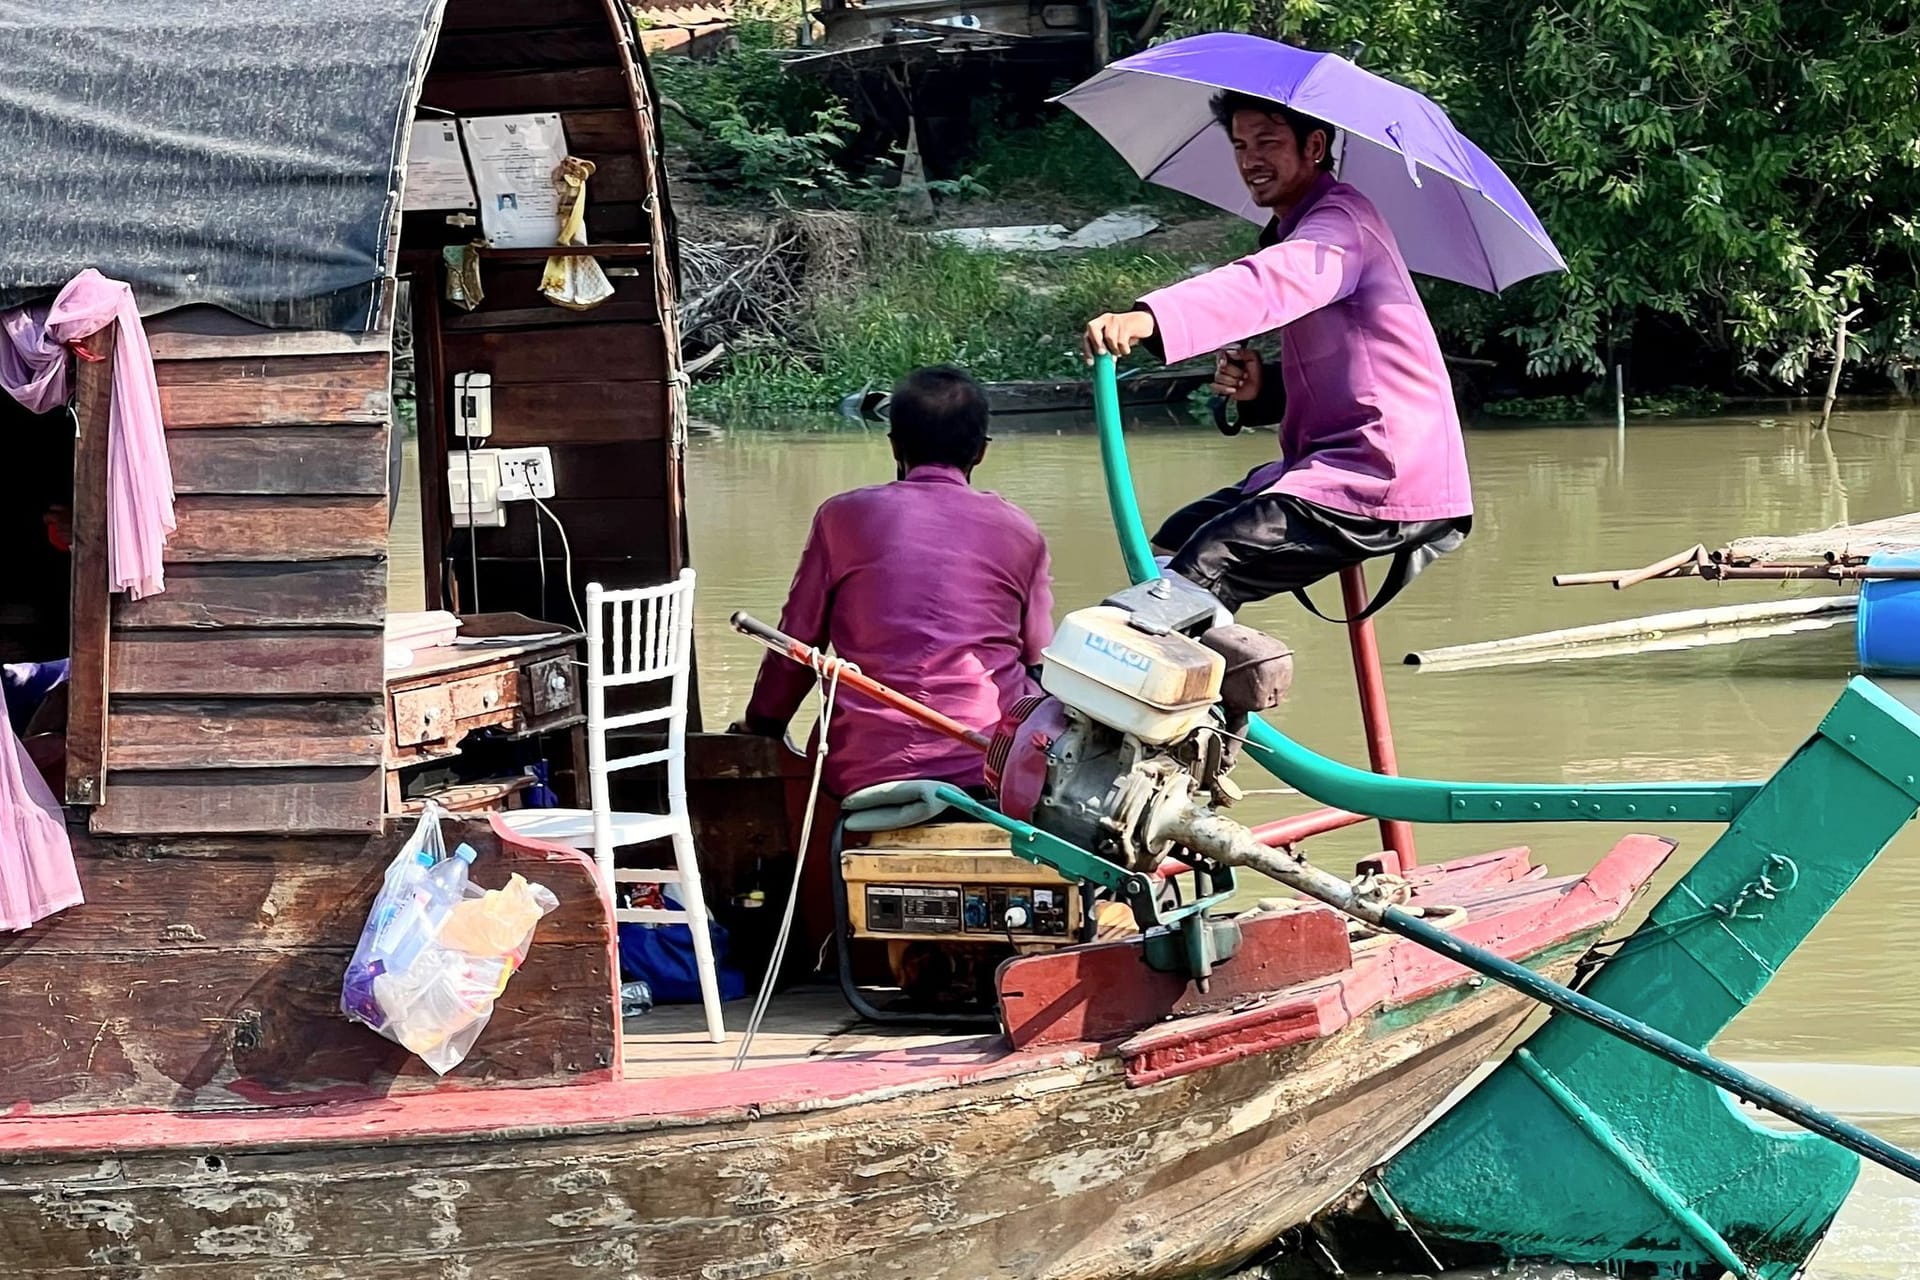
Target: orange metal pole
{"x": 808, "y": 656}
{"x": 1397, "y": 836}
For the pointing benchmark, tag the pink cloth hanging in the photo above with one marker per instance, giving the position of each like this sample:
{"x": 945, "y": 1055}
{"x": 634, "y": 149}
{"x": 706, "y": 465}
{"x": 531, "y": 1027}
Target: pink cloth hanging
{"x": 33, "y": 369}
{"x": 37, "y": 873}
{"x": 37, "y": 876}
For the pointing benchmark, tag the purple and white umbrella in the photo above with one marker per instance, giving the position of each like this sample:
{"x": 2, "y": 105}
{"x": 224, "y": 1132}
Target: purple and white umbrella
{"x": 1454, "y": 213}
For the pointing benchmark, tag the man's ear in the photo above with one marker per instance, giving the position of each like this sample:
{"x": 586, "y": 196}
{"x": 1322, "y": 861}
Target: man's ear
{"x": 1319, "y": 144}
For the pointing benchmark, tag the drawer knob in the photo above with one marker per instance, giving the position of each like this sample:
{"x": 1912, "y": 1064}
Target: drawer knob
{"x": 557, "y": 682}
{"x": 490, "y": 697}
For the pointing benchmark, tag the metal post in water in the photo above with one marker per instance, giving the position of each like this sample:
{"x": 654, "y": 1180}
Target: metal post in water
{"x": 1395, "y": 835}
{"x": 1620, "y": 418}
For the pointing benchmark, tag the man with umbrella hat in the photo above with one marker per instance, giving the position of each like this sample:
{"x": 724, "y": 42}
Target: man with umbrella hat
{"x": 1372, "y": 462}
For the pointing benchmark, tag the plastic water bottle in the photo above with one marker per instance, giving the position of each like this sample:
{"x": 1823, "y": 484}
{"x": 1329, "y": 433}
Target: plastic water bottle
{"x": 421, "y": 918}
{"x": 402, "y": 881}
{"x": 636, "y": 998}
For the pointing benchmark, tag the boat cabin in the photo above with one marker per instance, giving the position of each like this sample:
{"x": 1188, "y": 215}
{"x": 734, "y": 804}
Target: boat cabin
{"x": 302, "y": 199}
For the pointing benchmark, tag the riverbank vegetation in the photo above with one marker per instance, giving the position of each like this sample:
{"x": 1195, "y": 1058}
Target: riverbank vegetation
{"x": 1725, "y": 180}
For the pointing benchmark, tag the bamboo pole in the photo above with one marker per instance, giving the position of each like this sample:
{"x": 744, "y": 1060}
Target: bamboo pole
{"x": 1630, "y": 633}
{"x": 1839, "y": 359}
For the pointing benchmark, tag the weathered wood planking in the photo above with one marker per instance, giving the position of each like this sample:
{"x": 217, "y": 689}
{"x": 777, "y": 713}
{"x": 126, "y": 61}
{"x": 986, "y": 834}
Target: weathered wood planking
{"x": 594, "y": 526}
{"x": 280, "y": 460}
{"x": 518, "y": 578}
{"x": 225, "y": 337}
{"x": 923, "y": 1178}
{"x": 543, "y": 48}
{"x": 583, "y": 414}
{"x": 620, "y": 353}
{"x": 255, "y": 391}
{"x": 514, "y": 301}
{"x": 484, "y": 15}
{"x": 601, "y": 132}
{"x": 737, "y": 792}
{"x": 248, "y": 662}
{"x": 618, "y": 221}
{"x": 229, "y": 733}
{"x": 242, "y": 801}
{"x": 465, "y": 93}
{"x": 631, "y": 471}
{"x": 317, "y": 593}
{"x": 207, "y": 973}
{"x": 281, "y": 529}
{"x": 92, "y": 576}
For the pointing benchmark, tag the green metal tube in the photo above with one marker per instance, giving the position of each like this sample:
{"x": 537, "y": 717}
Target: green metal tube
{"x": 1226, "y": 841}
{"x": 1408, "y": 799}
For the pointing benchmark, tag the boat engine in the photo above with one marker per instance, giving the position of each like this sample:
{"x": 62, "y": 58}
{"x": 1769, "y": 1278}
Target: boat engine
{"x": 1146, "y": 703}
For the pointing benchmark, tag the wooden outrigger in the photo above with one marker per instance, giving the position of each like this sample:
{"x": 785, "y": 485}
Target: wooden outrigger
{"x": 179, "y": 1094}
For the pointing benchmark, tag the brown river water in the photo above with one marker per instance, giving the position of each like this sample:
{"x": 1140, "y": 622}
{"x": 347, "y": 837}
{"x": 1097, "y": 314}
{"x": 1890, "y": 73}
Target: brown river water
{"x": 1840, "y": 1024}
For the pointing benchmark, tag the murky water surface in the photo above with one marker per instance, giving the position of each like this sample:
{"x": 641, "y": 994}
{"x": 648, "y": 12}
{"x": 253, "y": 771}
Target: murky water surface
{"x": 1841, "y": 1023}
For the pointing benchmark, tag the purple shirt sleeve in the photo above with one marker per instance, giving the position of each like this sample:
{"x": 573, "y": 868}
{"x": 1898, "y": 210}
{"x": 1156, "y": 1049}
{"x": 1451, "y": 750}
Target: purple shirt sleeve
{"x": 1036, "y": 625}
{"x": 1318, "y": 265}
{"x": 783, "y": 684}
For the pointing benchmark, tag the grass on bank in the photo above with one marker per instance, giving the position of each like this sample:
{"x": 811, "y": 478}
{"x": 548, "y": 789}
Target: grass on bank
{"x": 1003, "y": 317}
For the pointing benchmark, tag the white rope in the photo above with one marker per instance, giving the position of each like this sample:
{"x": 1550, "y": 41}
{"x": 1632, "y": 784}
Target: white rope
{"x": 827, "y": 671}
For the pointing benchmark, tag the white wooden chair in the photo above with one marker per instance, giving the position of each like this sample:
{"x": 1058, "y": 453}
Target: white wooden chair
{"x": 634, "y": 638}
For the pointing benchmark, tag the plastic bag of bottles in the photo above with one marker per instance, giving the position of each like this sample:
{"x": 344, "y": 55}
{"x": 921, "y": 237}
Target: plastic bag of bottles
{"x": 437, "y": 950}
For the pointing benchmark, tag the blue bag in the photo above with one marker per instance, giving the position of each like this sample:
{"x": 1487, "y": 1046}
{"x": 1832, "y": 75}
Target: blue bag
{"x": 661, "y": 955}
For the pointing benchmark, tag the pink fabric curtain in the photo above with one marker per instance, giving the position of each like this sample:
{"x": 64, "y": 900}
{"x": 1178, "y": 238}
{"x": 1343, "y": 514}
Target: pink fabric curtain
{"x": 34, "y": 365}
{"x": 37, "y": 874}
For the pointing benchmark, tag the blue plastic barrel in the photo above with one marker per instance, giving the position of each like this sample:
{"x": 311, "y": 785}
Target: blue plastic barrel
{"x": 1887, "y": 631}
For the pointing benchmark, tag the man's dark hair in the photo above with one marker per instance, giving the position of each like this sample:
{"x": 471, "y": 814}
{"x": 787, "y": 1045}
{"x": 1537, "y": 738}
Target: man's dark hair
{"x": 938, "y": 415}
{"x": 1229, "y": 102}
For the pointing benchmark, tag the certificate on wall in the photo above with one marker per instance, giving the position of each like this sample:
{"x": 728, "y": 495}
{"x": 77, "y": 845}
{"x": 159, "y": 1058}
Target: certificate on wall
{"x": 436, "y": 168}
{"x": 514, "y": 159}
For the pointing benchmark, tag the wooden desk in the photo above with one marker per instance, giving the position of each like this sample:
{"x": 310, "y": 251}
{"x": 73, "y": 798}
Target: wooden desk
{"x": 527, "y": 681}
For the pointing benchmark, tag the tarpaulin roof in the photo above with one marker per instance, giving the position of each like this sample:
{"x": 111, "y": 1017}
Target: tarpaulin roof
{"x": 208, "y": 151}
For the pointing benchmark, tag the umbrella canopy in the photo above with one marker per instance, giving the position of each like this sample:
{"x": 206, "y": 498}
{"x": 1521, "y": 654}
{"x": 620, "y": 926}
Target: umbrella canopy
{"x": 1455, "y": 214}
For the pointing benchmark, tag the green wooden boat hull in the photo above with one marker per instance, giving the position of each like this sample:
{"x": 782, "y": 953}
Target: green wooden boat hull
{"x": 1583, "y": 1149}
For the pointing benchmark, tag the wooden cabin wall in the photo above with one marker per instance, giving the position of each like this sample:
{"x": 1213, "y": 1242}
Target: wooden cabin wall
{"x": 595, "y": 386}
{"x": 247, "y": 696}
{"x": 204, "y": 973}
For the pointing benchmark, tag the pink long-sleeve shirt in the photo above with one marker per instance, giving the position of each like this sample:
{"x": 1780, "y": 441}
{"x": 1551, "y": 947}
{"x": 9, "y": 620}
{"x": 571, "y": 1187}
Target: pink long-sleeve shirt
{"x": 1370, "y": 426}
{"x": 936, "y": 589}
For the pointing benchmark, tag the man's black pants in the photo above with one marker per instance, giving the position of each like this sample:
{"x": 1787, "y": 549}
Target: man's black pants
{"x": 1247, "y": 547}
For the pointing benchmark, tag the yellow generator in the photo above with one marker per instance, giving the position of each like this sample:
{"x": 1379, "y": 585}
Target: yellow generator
{"x": 934, "y": 910}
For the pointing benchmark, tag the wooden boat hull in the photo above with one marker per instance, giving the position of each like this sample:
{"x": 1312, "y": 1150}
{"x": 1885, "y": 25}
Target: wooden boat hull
{"x": 1179, "y": 1151}
{"x": 1060, "y": 1170}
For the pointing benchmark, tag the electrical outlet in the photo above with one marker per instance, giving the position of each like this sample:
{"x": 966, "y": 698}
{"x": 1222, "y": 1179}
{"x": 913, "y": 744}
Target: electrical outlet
{"x": 526, "y": 473}
{"x": 473, "y": 490}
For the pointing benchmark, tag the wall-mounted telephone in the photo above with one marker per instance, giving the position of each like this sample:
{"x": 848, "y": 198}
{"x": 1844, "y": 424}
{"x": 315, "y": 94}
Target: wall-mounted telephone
{"x": 473, "y": 405}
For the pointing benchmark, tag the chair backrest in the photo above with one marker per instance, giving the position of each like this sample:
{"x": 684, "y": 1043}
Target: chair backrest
{"x": 639, "y": 637}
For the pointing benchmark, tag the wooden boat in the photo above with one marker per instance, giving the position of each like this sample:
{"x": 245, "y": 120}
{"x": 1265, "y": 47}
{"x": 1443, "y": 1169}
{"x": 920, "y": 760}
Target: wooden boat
{"x": 279, "y": 1147}
{"x": 180, "y": 1094}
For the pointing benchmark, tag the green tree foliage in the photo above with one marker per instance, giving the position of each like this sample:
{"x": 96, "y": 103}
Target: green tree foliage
{"x": 746, "y": 122}
{"x": 1743, "y": 170}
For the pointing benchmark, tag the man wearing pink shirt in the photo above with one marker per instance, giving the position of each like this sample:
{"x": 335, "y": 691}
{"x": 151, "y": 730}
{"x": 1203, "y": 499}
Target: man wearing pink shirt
{"x": 931, "y": 586}
{"x": 1371, "y": 457}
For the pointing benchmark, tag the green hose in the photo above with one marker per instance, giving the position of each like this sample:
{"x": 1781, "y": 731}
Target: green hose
{"x": 1407, "y": 799}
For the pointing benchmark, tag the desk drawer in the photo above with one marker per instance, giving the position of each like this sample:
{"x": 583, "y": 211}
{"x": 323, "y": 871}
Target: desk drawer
{"x": 486, "y": 697}
{"x": 552, "y": 687}
{"x": 421, "y": 716}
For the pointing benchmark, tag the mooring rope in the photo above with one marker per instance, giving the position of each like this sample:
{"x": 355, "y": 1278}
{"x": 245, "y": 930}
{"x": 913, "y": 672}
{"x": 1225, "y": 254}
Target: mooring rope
{"x": 827, "y": 672}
